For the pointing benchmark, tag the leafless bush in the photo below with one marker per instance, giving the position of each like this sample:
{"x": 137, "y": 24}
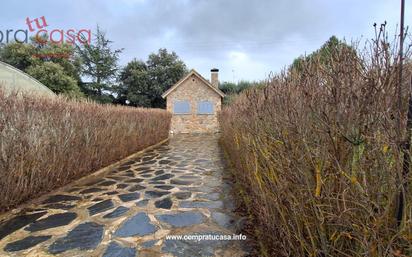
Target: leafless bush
{"x": 46, "y": 143}
{"x": 316, "y": 157}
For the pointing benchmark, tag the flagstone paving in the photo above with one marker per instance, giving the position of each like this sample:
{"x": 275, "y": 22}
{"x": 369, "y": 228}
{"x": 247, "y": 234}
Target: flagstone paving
{"x": 178, "y": 188}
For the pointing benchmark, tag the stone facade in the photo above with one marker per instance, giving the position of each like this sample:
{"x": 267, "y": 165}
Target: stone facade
{"x": 193, "y": 89}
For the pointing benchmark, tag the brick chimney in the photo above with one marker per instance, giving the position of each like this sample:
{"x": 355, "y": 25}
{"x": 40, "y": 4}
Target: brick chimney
{"x": 214, "y": 80}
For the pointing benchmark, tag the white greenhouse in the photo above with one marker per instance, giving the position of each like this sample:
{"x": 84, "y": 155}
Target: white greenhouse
{"x": 14, "y": 80}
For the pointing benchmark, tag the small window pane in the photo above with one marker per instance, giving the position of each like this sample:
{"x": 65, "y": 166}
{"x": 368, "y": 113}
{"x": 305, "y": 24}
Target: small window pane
{"x": 205, "y": 107}
{"x": 181, "y": 107}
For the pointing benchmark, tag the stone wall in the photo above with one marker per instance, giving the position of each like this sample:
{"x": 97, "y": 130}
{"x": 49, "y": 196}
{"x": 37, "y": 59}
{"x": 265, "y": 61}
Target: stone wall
{"x": 194, "y": 90}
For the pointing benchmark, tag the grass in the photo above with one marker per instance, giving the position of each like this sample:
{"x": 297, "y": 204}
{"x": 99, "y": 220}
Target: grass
{"x": 316, "y": 159}
{"x": 47, "y": 143}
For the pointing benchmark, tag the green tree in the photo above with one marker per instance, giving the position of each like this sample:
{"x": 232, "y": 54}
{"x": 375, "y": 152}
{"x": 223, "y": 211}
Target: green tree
{"x": 135, "y": 86}
{"x": 54, "y": 77}
{"x": 143, "y": 83}
{"x": 244, "y": 84}
{"x": 232, "y": 89}
{"x": 99, "y": 64}
{"x": 228, "y": 88}
{"x": 235, "y": 88}
{"x": 18, "y": 55}
{"x": 63, "y": 54}
{"x": 164, "y": 69}
{"x": 324, "y": 54}
{"x": 40, "y": 54}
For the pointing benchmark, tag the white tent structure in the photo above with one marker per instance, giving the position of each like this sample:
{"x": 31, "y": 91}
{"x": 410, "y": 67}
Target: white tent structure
{"x": 15, "y": 80}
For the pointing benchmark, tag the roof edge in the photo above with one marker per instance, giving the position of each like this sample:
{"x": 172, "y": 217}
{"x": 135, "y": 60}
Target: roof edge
{"x": 192, "y": 72}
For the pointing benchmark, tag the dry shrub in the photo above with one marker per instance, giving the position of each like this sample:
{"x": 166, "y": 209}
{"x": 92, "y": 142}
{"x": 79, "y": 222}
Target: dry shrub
{"x": 316, "y": 159}
{"x": 46, "y": 143}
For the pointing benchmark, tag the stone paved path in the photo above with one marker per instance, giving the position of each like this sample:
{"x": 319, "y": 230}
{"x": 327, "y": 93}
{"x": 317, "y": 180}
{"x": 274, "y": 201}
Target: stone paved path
{"x": 175, "y": 189}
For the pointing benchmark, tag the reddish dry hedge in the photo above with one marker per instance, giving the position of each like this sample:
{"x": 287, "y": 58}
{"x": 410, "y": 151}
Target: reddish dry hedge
{"x": 316, "y": 160}
{"x": 46, "y": 143}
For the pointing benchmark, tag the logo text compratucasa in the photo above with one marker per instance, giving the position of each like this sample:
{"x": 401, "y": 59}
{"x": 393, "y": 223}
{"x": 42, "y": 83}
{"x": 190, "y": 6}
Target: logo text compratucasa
{"x": 39, "y": 29}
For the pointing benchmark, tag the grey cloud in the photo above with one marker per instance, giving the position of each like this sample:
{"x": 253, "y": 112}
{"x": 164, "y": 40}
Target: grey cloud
{"x": 267, "y": 34}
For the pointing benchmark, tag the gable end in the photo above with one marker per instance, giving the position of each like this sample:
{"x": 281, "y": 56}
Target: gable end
{"x": 195, "y": 73}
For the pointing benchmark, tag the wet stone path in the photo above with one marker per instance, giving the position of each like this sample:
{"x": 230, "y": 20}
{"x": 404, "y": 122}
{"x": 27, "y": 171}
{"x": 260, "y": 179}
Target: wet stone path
{"x": 177, "y": 188}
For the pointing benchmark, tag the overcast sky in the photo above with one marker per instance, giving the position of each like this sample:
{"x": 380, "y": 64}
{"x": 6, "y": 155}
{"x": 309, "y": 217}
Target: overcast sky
{"x": 245, "y": 39}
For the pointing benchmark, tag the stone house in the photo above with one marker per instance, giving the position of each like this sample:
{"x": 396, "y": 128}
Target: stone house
{"x": 194, "y": 103}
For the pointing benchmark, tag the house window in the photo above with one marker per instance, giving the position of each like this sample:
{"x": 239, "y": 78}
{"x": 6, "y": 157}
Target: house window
{"x": 205, "y": 107}
{"x": 181, "y": 107}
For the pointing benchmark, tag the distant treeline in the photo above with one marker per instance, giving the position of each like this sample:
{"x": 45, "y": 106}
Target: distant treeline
{"x": 92, "y": 71}
{"x": 232, "y": 89}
